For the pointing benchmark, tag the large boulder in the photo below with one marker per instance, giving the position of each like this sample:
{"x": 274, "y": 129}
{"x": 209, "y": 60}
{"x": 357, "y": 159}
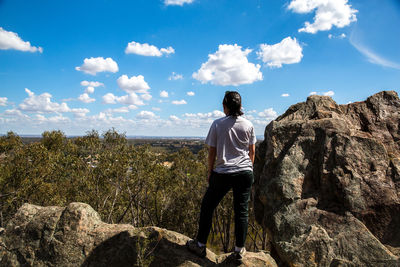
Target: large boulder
{"x": 327, "y": 181}
{"x": 76, "y": 236}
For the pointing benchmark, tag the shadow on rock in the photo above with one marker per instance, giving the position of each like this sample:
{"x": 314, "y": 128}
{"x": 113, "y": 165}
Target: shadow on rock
{"x": 124, "y": 249}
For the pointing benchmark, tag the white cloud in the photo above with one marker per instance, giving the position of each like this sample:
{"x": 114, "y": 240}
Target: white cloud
{"x": 15, "y": 113}
{"x": 67, "y": 99}
{"x": 285, "y": 95}
{"x": 329, "y": 93}
{"x": 3, "y": 101}
{"x": 58, "y": 118}
{"x": 249, "y": 117}
{"x": 288, "y": 51}
{"x": 89, "y": 90}
{"x": 124, "y": 109}
{"x": 177, "y": 2}
{"x": 147, "y": 50}
{"x": 210, "y": 115}
{"x": 180, "y": 102}
{"x": 261, "y": 122}
{"x": 144, "y": 123}
{"x": 228, "y": 66}
{"x": 263, "y": 118}
{"x": 190, "y": 93}
{"x": 163, "y": 93}
{"x": 134, "y": 84}
{"x": 174, "y": 118}
{"x": 168, "y": 50}
{"x": 268, "y": 113}
{"x": 11, "y": 40}
{"x": 146, "y": 97}
{"x": 198, "y": 121}
{"x": 41, "y": 103}
{"x": 41, "y": 118}
{"x": 85, "y": 98}
{"x": 156, "y": 109}
{"x": 146, "y": 115}
{"x": 109, "y": 98}
{"x": 174, "y": 76}
{"x": 328, "y": 13}
{"x": 341, "y": 36}
{"x": 90, "y": 86}
{"x": 106, "y": 120}
{"x": 132, "y": 107}
{"x": 93, "y": 84}
{"x": 372, "y": 57}
{"x": 121, "y": 110}
{"x": 99, "y": 64}
{"x": 54, "y": 119}
{"x": 79, "y": 124}
{"x": 130, "y": 99}
{"x": 80, "y": 112}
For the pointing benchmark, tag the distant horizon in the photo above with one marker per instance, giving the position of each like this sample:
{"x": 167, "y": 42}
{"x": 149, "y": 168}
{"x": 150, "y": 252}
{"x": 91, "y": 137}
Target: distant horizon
{"x": 161, "y": 68}
{"x": 259, "y": 137}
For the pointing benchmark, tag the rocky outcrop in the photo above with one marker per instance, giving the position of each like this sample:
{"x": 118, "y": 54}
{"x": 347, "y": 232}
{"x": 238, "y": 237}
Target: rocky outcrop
{"x": 76, "y": 236}
{"x": 328, "y": 182}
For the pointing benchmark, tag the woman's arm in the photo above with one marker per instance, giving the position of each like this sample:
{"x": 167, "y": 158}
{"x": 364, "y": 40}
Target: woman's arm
{"x": 212, "y": 152}
{"x": 252, "y": 150}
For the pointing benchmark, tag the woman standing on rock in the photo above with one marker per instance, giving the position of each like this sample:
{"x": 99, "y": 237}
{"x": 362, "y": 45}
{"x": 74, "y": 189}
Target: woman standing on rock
{"x": 231, "y": 142}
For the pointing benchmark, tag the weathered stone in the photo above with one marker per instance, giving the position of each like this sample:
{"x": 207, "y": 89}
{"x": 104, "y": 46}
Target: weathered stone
{"x": 328, "y": 184}
{"x": 76, "y": 236}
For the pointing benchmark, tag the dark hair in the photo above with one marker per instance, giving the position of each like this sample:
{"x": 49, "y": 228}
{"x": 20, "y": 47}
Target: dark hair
{"x": 233, "y": 101}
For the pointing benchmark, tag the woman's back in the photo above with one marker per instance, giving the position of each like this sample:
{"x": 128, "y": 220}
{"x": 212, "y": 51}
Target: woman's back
{"x": 232, "y": 136}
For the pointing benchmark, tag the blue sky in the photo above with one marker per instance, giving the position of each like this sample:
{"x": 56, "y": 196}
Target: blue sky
{"x": 161, "y": 67}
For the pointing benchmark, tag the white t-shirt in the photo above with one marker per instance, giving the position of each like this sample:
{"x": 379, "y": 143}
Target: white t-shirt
{"x": 232, "y": 137}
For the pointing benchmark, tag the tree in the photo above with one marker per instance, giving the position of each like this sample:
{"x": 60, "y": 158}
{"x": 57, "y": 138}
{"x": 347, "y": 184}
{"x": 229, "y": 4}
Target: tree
{"x": 53, "y": 140}
{"x": 9, "y": 142}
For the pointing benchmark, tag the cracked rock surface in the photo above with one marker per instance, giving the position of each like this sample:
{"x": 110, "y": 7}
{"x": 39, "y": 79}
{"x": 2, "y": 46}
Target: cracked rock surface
{"x": 76, "y": 236}
{"x": 327, "y": 180}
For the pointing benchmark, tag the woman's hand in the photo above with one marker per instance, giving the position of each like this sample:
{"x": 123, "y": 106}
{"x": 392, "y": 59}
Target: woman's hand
{"x": 252, "y": 152}
{"x": 212, "y": 152}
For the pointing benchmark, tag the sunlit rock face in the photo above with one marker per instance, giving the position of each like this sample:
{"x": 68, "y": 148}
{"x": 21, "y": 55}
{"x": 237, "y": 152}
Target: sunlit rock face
{"x": 327, "y": 182}
{"x": 76, "y": 236}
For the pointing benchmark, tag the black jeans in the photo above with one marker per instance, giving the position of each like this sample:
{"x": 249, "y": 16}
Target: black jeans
{"x": 219, "y": 185}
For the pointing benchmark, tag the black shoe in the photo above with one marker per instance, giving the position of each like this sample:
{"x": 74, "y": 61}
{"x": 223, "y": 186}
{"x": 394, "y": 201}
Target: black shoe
{"x": 194, "y": 247}
{"x": 239, "y": 255}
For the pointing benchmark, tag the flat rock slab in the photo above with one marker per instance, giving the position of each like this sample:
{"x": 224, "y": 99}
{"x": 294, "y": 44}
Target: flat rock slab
{"x": 76, "y": 236}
